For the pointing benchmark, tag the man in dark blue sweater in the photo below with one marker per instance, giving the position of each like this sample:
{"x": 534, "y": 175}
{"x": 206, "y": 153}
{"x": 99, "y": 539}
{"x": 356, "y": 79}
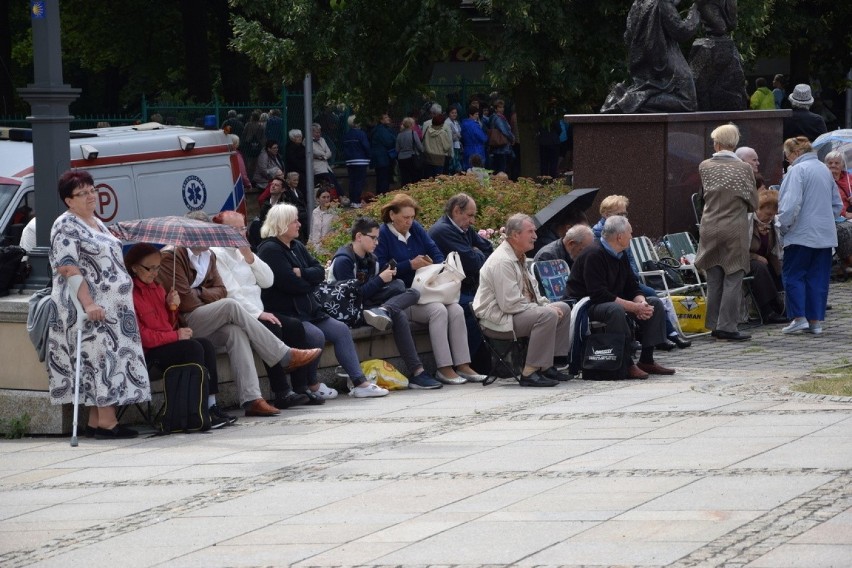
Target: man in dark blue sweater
{"x": 455, "y": 232}
{"x": 603, "y": 273}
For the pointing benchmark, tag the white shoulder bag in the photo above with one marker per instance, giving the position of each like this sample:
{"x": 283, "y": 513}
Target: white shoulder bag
{"x": 440, "y": 282}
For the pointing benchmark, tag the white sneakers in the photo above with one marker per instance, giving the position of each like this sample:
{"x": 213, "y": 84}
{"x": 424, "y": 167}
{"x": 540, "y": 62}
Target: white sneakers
{"x": 801, "y": 324}
{"x": 798, "y": 324}
{"x": 367, "y": 390}
{"x": 378, "y": 318}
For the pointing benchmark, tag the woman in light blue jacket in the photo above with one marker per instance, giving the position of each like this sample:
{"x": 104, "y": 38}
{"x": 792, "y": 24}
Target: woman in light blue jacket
{"x": 808, "y": 205}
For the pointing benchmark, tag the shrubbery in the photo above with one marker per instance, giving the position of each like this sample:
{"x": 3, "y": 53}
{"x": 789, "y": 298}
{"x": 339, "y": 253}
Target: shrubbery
{"x": 496, "y": 199}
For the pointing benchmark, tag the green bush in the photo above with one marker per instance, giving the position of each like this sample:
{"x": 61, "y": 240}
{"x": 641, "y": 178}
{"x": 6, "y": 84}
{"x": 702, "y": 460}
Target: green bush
{"x": 14, "y": 428}
{"x": 496, "y": 200}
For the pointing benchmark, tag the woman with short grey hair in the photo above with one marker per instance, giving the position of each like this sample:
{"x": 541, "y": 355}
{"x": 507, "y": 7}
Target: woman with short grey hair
{"x": 723, "y": 247}
{"x": 297, "y": 274}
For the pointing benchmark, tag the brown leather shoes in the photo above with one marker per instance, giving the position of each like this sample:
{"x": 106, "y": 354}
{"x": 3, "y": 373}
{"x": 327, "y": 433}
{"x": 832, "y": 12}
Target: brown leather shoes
{"x": 635, "y": 372}
{"x": 302, "y": 357}
{"x": 655, "y": 369}
{"x": 260, "y": 407}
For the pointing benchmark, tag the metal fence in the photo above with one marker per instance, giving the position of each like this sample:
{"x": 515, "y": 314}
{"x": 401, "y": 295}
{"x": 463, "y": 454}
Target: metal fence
{"x": 291, "y": 104}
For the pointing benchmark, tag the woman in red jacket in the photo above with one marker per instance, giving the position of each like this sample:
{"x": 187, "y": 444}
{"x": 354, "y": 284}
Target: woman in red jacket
{"x": 163, "y": 342}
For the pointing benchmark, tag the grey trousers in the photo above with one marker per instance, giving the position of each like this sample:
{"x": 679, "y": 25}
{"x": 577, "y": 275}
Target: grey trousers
{"x": 652, "y": 330}
{"x": 226, "y": 324}
{"x": 724, "y": 294}
{"x": 548, "y": 334}
{"x": 447, "y": 331}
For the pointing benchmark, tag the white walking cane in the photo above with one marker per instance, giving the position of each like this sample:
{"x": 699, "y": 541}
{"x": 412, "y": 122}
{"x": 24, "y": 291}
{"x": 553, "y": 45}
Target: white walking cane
{"x": 74, "y": 285}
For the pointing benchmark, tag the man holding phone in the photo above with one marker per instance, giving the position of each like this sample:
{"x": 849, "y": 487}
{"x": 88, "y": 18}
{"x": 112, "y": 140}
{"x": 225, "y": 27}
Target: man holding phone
{"x": 385, "y": 298}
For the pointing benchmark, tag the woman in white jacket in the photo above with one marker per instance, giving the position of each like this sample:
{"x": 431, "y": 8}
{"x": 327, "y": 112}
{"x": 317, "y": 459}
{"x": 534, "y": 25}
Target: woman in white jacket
{"x": 321, "y": 218}
{"x": 244, "y": 275}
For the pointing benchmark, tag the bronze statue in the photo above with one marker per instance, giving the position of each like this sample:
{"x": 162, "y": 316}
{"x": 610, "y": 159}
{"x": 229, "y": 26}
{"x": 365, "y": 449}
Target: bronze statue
{"x": 719, "y": 17}
{"x": 662, "y": 79}
{"x": 715, "y": 61}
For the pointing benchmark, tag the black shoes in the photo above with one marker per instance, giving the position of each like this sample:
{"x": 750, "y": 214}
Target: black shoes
{"x": 117, "y": 432}
{"x": 556, "y": 375}
{"x": 288, "y": 399}
{"x": 537, "y": 380}
{"x": 774, "y": 318}
{"x": 674, "y": 340}
{"x": 730, "y": 335}
{"x": 219, "y": 418}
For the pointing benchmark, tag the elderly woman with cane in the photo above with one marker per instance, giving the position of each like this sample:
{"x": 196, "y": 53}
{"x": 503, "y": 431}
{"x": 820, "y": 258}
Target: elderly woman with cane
{"x": 87, "y": 262}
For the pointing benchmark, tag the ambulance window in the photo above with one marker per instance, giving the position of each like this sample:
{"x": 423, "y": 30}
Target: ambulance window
{"x": 23, "y": 211}
{"x": 7, "y": 192}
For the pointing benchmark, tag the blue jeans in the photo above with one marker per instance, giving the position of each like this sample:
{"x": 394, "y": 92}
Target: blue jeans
{"x": 337, "y": 333}
{"x": 806, "y": 273}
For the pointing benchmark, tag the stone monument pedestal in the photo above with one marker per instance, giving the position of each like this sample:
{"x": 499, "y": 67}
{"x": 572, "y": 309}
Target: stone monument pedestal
{"x": 653, "y": 160}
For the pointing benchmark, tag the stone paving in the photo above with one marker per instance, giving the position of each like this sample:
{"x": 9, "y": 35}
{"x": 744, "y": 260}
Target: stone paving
{"x": 719, "y": 465}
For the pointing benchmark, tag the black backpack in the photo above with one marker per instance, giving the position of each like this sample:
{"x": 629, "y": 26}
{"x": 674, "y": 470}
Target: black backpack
{"x": 13, "y": 269}
{"x": 186, "y": 388}
{"x": 605, "y": 357}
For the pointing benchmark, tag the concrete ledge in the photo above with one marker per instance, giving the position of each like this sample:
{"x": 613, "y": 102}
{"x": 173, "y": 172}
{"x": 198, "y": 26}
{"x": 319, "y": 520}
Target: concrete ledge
{"x": 24, "y": 382}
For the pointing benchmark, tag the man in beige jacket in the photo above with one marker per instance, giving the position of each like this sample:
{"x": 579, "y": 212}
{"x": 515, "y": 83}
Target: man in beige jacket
{"x": 508, "y": 300}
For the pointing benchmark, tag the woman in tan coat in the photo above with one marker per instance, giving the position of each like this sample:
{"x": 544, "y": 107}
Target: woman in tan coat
{"x": 723, "y": 246}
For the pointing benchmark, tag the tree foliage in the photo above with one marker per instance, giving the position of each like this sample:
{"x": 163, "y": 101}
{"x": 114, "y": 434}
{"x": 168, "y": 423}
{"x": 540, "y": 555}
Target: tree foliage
{"x": 367, "y": 51}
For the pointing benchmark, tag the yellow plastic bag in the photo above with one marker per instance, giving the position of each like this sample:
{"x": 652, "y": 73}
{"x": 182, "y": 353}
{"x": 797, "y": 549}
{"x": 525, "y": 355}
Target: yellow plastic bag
{"x": 384, "y": 374}
{"x": 691, "y": 313}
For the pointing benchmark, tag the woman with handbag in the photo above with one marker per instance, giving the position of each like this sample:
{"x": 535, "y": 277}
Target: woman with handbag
{"x": 409, "y": 150}
{"x": 404, "y": 240}
{"x": 297, "y": 273}
{"x": 500, "y": 139}
{"x": 385, "y": 299}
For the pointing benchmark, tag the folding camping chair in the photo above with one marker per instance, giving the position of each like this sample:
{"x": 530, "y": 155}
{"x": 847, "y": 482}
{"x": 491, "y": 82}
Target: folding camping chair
{"x": 508, "y": 353}
{"x": 681, "y": 244}
{"x": 697, "y": 208}
{"x": 643, "y": 250}
{"x": 552, "y": 278}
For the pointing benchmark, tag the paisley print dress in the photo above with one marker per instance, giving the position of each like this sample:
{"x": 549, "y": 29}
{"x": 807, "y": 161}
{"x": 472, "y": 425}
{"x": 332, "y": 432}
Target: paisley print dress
{"x": 113, "y": 367}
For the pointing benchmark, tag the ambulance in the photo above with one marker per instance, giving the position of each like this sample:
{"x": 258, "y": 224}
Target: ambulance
{"x": 141, "y": 171}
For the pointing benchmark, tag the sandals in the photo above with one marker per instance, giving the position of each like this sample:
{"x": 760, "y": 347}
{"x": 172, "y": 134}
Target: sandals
{"x": 314, "y": 398}
{"x": 326, "y": 392}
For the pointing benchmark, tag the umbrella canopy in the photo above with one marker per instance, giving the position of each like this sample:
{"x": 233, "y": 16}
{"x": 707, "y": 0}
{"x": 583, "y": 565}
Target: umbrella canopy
{"x": 179, "y": 231}
{"x": 580, "y": 199}
{"x": 836, "y": 140}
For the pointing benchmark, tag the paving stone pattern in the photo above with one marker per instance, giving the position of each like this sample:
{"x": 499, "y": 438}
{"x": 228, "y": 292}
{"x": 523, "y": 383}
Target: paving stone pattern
{"x": 719, "y": 465}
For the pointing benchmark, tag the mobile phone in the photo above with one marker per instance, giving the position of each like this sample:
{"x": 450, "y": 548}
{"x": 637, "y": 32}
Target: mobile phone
{"x": 392, "y": 264}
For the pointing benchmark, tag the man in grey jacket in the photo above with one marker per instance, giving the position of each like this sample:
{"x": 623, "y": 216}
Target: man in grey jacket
{"x": 508, "y": 301}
